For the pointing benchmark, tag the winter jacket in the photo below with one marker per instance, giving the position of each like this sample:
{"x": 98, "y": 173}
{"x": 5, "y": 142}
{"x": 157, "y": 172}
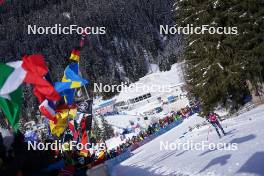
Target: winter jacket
{"x": 212, "y": 117}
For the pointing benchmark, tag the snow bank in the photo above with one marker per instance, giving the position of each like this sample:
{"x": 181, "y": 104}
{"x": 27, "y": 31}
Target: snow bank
{"x": 246, "y": 131}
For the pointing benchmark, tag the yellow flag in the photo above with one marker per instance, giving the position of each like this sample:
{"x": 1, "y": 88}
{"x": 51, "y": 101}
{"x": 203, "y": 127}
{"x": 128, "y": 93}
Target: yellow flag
{"x": 68, "y": 113}
{"x": 62, "y": 116}
{"x": 58, "y": 128}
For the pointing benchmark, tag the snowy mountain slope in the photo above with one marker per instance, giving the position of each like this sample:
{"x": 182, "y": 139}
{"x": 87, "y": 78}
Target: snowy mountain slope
{"x": 158, "y": 84}
{"x": 135, "y": 114}
{"x": 157, "y": 78}
{"x": 246, "y": 131}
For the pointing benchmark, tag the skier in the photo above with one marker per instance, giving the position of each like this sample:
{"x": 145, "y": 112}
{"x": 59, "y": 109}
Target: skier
{"x": 213, "y": 119}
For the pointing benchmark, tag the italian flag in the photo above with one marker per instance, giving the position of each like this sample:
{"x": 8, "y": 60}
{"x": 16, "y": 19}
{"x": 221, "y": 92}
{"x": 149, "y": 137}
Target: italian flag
{"x": 11, "y": 78}
{"x": 31, "y": 70}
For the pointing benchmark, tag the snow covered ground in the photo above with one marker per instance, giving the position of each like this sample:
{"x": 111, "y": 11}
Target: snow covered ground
{"x": 245, "y": 131}
{"x": 167, "y": 78}
{"x": 172, "y": 78}
{"x": 158, "y": 84}
{"x": 120, "y": 122}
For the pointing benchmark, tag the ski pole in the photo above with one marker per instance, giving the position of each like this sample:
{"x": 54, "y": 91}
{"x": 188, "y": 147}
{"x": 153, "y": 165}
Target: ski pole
{"x": 208, "y": 132}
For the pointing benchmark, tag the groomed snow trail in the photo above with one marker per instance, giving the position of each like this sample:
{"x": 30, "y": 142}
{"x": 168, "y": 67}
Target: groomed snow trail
{"x": 245, "y": 130}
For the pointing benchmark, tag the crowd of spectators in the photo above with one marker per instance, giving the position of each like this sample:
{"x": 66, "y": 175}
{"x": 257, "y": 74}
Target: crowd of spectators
{"x": 17, "y": 160}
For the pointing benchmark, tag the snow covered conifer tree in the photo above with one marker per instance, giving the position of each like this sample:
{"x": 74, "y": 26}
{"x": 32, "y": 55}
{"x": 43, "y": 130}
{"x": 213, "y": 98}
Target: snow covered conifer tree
{"x": 218, "y": 65}
{"x": 97, "y": 130}
{"x": 108, "y": 131}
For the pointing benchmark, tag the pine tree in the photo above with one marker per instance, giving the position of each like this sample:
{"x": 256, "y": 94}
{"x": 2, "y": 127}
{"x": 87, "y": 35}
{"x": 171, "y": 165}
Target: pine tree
{"x": 108, "y": 130}
{"x": 218, "y": 65}
{"x": 97, "y": 130}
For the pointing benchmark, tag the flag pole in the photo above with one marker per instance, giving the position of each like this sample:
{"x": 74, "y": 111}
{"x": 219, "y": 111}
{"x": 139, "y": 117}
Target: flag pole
{"x": 84, "y": 34}
{"x": 86, "y": 92}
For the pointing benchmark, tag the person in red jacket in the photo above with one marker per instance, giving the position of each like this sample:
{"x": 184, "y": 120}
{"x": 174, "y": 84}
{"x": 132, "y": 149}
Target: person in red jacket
{"x": 213, "y": 119}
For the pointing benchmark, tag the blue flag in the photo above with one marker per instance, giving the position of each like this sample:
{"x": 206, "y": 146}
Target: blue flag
{"x": 70, "y": 81}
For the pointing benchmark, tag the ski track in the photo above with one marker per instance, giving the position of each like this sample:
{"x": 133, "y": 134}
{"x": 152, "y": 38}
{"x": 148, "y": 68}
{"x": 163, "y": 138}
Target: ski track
{"x": 247, "y": 130}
